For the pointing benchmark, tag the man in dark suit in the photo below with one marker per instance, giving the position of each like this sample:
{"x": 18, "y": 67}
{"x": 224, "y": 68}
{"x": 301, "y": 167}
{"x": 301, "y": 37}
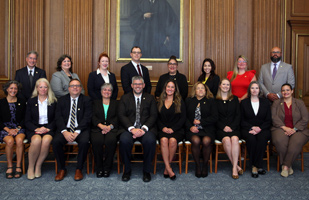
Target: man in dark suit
{"x": 73, "y": 117}
{"x": 137, "y": 113}
{"x": 274, "y": 74}
{"x": 134, "y": 68}
{"x": 28, "y": 75}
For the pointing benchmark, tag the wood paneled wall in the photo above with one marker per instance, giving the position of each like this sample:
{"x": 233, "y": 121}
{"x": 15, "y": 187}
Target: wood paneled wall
{"x": 220, "y": 30}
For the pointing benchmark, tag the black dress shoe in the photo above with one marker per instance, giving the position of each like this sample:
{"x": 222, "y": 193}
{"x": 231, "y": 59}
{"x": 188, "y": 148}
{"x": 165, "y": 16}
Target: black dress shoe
{"x": 126, "y": 176}
{"x": 146, "y": 177}
{"x": 198, "y": 175}
{"x": 99, "y": 174}
{"x": 254, "y": 175}
{"x": 166, "y": 176}
{"x": 173, "y": 177}
{"x": 204, "y": 174}
{"x": 106, "y": 174}
{"x": 262, "y": 171}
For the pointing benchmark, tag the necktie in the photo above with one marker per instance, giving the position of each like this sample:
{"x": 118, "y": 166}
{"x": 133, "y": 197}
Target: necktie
{"x": 274, "y": 71}
{"x": 30, "y": 77}
{"x": 139, "y": 71}
{"x": 72, "y": 122}
{"x": 138, "y": 115}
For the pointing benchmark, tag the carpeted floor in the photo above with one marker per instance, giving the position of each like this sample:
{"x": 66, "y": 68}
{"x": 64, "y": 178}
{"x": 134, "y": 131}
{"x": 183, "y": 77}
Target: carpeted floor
{"x": 186, "y": 186}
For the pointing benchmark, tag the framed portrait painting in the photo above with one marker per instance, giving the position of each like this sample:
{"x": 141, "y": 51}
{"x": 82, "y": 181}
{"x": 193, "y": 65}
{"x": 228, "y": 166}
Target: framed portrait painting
{"x": 153, "y": 25}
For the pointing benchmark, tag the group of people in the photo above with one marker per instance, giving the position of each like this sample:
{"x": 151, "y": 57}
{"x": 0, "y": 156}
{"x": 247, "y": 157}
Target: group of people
{"x": 228, "y": 110}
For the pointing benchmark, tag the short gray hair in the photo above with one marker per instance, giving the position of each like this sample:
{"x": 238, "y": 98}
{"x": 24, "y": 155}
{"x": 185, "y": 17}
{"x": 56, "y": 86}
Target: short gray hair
{"x": 135, "y": 78}
{"x": 33, "y": 52}
{"x": 106, "y": 85}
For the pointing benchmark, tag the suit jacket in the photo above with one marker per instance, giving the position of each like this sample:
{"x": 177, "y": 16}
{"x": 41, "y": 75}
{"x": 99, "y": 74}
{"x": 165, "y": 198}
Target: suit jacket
{"x": 209, "y": 113}
{"x": 60, "y": 83}
{"x": 5, "y": 113}
{"x": 284, "y": 74}
{"x": 181, "y": 82}
{"x": 299, "y": 113}
{"x": 148, "y": 111}
{"x": 230, "y": 116}
{"x": 95, "y": 81}
{"x": 98, "y": 116}
{"x": 23, "y": 78}
{"x": 213, "y": 84}
{"x": 83, "y": 112}
{"x": 249, "y": 119}
{"x": 128, "y": 71}
{"x": 32, "y": 115}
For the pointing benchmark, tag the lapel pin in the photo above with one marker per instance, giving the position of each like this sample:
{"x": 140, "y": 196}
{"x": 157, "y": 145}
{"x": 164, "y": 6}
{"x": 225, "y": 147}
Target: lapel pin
{"x": 78, "y": 109}
{"x": 144, "y": 98}
{"x": 19, "y": 104}
{"x": 204, "y": 102}
{"x": 36, "y": 104}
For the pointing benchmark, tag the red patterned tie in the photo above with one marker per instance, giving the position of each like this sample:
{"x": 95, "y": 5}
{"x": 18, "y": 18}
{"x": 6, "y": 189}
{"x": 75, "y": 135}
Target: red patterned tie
{"x": 139, "y": 71}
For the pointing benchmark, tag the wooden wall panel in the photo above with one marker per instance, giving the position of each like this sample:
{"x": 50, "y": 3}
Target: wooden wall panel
{"x": 77, "y": 42}
{"x": 5, "y": 23}
{"x": 28, "y": 31}
{"x": 267, "y": 33}
{"x": 300, "y": 8}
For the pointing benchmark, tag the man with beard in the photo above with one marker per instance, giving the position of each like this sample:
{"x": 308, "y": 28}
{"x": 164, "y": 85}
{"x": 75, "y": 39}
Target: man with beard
{"x": 274, "y": 74}
{"x": 137, "y": 113}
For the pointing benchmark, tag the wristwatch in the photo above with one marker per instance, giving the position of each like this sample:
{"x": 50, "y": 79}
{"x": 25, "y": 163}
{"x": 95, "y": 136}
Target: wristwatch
{"x": 295, "y": 129}
{"x": 112, "y": 126}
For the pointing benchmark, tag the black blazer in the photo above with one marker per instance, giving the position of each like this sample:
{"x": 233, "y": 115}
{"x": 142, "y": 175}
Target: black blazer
{"x": 249, "y": 119}
{"x": 98, "y": 115}
{"x": 212, "y": 84}
{"x": 23, "y": 78}
{"x": 209, "y": 113}
{"x": 84, "y": 112}
{"x": 181, "y": 82}
{"x": 127, "y": 111}
{"x": 32, "y": 115}
{"x": 230, "y": 116}
{"x": 95, "y": 81}
{"x": 5, "y": 113}
{"x": 128, "y": 71}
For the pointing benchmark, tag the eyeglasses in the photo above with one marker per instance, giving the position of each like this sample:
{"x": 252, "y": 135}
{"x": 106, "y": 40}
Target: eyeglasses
{"x": 276, "y": 52}
{"x": 138, "y": 84}
{"x": 73, "y": 86}
{"x": 136, "y": 52}
{"x": 174, "y": 64}
{"x": 242, "y": 61}
{"x": 107, "y": 90}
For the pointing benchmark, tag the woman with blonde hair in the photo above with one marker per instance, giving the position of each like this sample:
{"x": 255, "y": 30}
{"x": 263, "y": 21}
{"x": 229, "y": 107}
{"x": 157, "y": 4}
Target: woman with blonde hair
{"x": 241, "y": 77}
{"x": 40, "y": 125}
{"x": 202, "y": 116}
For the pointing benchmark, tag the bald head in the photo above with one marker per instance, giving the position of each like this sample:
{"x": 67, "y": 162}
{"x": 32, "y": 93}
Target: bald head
{"x": 275, "y": 54}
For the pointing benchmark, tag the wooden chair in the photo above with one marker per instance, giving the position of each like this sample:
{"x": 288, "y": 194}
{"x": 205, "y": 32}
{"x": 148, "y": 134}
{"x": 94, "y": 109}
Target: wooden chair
{"x": 301, "y": 159}
{"x": 188, "y": 151}
{"x": 178, "y": 155}
{"x": 2, "y": 152}
{"x": 136, "y": 152}
{"x": 266, "y": 158}
{"x": 220, "y": 150}
{"x": 72, "y": 149}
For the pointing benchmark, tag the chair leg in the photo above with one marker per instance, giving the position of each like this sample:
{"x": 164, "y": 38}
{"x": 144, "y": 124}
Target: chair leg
{"x": 155, "y": 160}
{"x": 278, "y": 164}
{"x": 187, "y": 158}
{"x": 118, "y": 159}
{"x": 245, "y": 158}
{"x": 240, "y": 155}
{"x": 216, "y": 159}
{"x": 180, "y": 157}
{"x": 210, "y": 163}
{"x": 302, "y": 160}
{"x": 267, "y": 154}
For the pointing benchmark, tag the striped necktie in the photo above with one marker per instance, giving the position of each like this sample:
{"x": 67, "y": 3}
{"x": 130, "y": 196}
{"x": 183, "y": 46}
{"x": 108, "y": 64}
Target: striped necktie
{"x": 73, "y": 117}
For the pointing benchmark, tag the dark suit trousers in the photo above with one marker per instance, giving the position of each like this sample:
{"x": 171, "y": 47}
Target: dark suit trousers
{"x": 83, "y": 144}
{"x": 256, "y": 146}
{"x": 126, "y": 142}
{"x": 98, "y": 140}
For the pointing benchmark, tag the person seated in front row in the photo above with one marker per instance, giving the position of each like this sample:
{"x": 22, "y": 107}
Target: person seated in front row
{"x": 12, "y": 113}
{"x": 228, "y": 124}
{"x": 73, "y": 117}
{"x": 289, "y": 132}
{"x": 40, "y": 125}
{"x": 202, "y": 116}
{"x": 255, "y": 126}
{"x": 171, "y": 120}
{"x": 137, "y": 113}
{"x": 104, "y": 130}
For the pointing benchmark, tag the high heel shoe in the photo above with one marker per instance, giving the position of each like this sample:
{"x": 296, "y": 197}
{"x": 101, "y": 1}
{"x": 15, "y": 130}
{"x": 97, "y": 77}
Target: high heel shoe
{"x": 18, "y": 174}
{"x": 166, "y": 176}
{"x": 173, "y": 177}
{"x": 240, "y": 172}
{"x": 9, "y": 175}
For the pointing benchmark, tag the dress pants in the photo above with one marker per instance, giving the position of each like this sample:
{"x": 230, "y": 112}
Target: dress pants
{"x": 256, "y": 146}
{"x": 126, "y": 142}
{"x": 83, "y": 144}
{"x": 98, "y": 140}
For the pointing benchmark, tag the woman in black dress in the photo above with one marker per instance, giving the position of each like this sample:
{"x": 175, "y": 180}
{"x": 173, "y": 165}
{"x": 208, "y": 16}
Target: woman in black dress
{"x": 173, "y": 74}
{"x": 209, "y": 77}
{"x": 104, "y": 130}
{"x": 255, "y": 126}
{"x": 228, "y": 124}
{"x": 40, "y": 124}
{"x": 202, "y": 116}
{"x": 171, "y": 119}
{"x": 12, "y": 114}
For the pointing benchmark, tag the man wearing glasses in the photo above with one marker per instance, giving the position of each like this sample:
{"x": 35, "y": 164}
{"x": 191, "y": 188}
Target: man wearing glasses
{"x": 137, "y": 113}
{"x": 134, "y": 68}
{"x": 73, "y": 117}
{"x": 274, "y": 74}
